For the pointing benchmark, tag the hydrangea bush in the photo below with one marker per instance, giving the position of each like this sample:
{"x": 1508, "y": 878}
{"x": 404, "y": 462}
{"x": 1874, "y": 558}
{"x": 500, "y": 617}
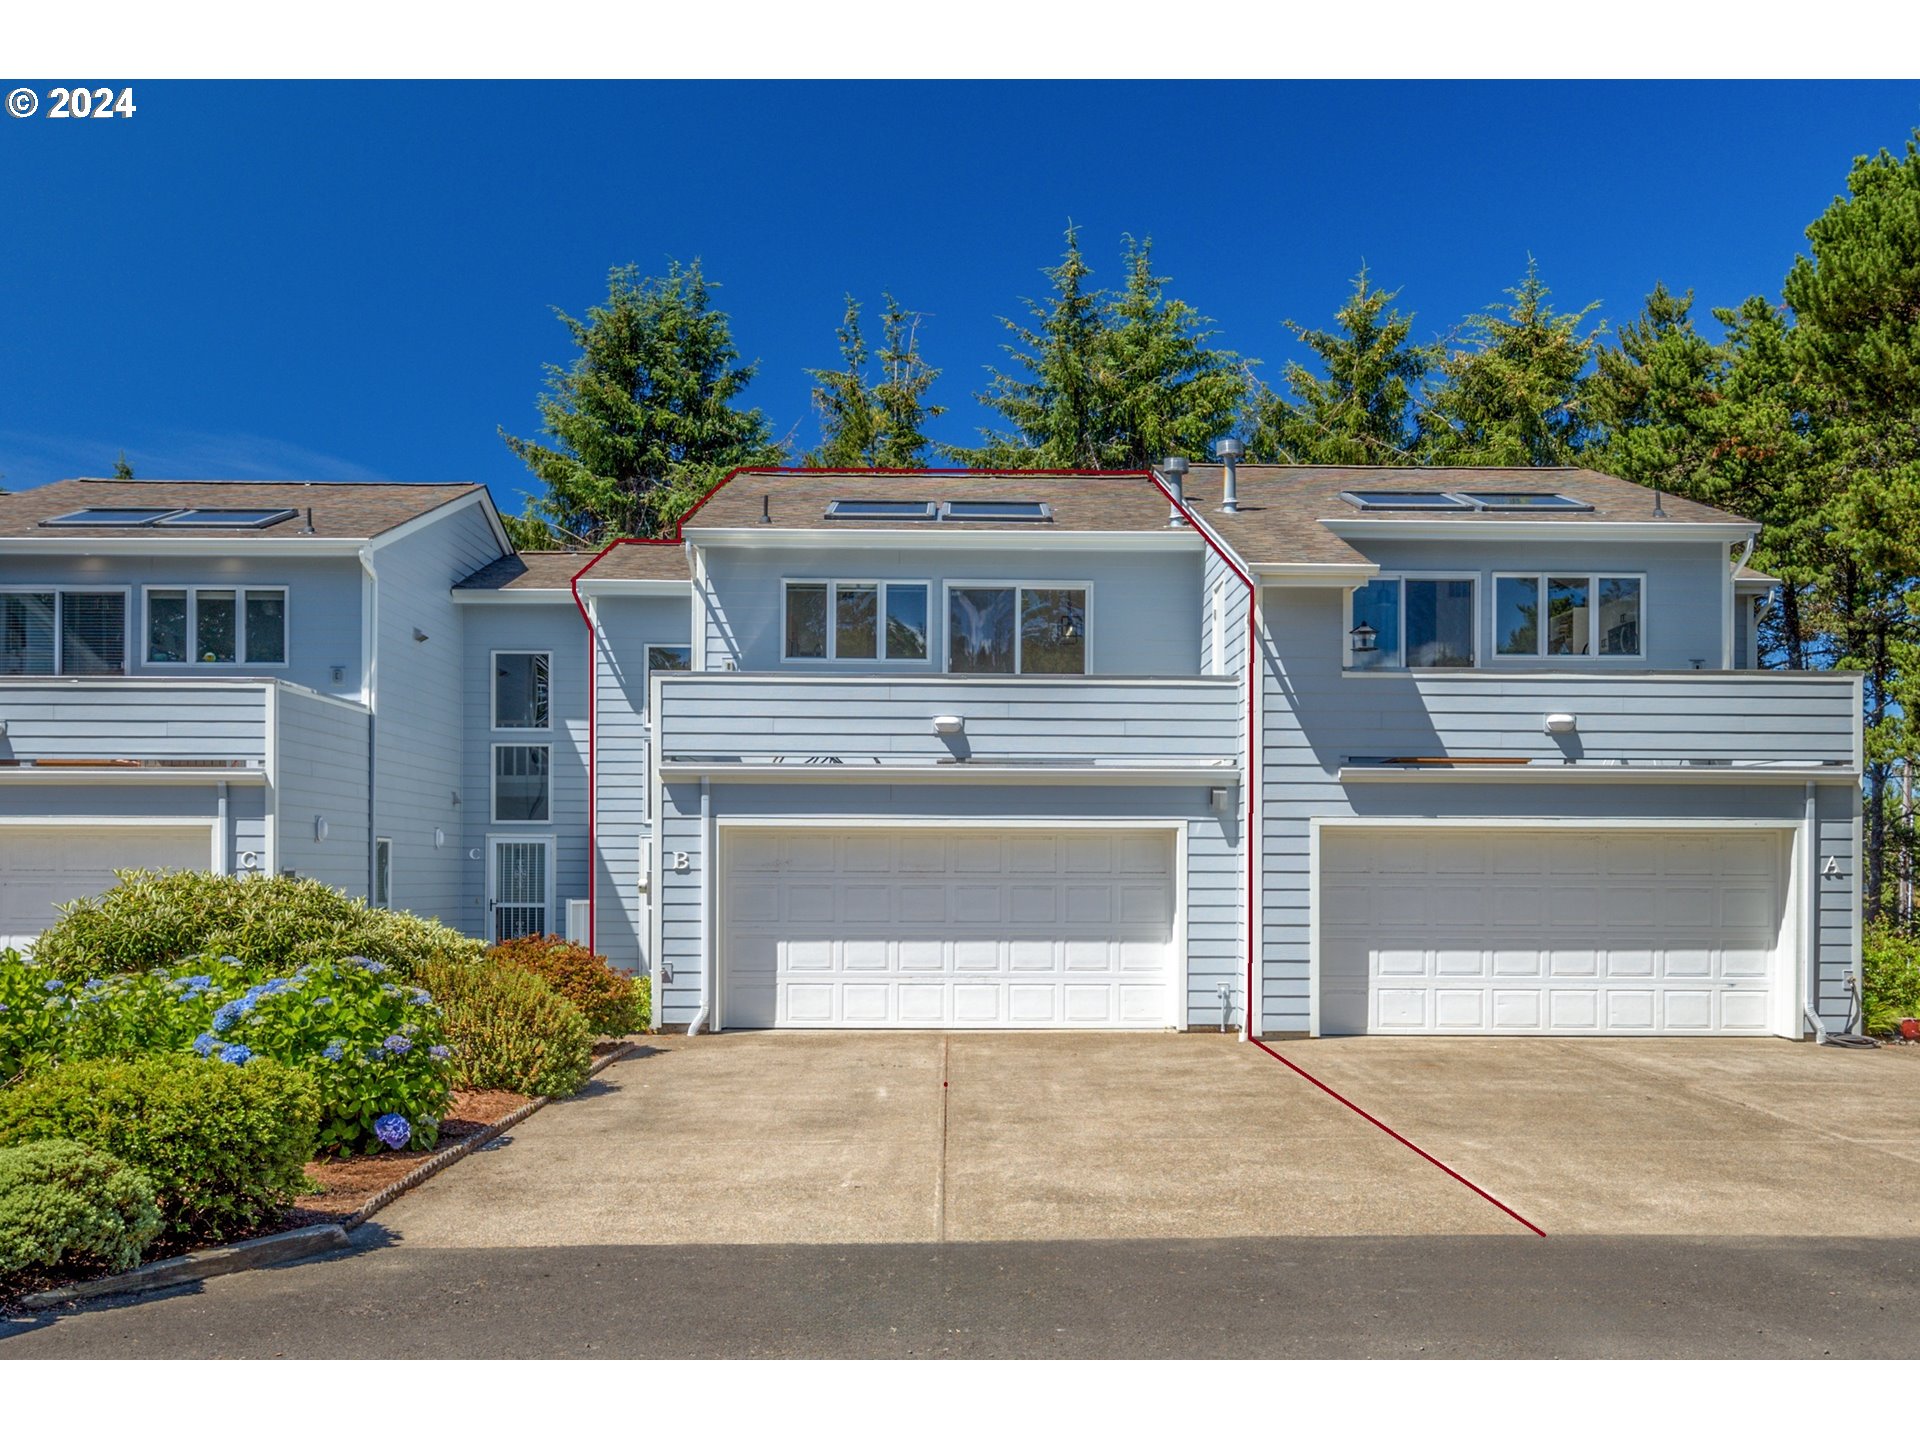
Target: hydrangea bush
{"x": 373, "y": 1046}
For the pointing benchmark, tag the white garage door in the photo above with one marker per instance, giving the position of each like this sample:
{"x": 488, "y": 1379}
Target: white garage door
{"x": 42, "y": 866}
{"x": 1562, "y": 931}
{"x": 970, "y": 929}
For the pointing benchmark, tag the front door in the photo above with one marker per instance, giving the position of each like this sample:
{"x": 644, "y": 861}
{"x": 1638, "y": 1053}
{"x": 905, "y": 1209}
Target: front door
{"x": 517, "y": 888}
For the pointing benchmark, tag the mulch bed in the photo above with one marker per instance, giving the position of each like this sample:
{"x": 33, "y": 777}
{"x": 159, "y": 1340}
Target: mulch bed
{"x": 347, "y": 1184}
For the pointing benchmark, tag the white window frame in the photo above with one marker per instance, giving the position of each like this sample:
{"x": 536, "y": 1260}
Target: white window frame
{"x": 832, "y": 657}
{"x": 385, "y": 842}
{"x": 1019, "y": 587}
{"x": 125, "y": 592}
{"x": 493, "y": 693}
{"x": 241, "y": 589}
{"x": 646, "y": 659}
{"x": 1540, "y": 578}
{"x": 493, "y": 780}
{"x": 1400, "y": 666}
{"x": 1218, "y": 661}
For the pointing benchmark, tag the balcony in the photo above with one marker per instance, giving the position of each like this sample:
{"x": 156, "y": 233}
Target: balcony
{"x": 1688, "y": 724}
{"x": 53, "y": 727}
{"x": 880, "y": 728}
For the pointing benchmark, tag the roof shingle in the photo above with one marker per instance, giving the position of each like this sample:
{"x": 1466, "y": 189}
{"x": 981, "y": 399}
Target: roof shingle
{"x": 339, "y": 511}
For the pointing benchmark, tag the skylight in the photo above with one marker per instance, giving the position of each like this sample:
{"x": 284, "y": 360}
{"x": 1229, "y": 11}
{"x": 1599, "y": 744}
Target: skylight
{"x": 1406, "y": 500}
{"x": 880, "y": 510}
{"x": 124, "y": 515}
{"x": 1531, "y": 500}
{"x": 225, "y": 519}
{"x": 996, "y": 510}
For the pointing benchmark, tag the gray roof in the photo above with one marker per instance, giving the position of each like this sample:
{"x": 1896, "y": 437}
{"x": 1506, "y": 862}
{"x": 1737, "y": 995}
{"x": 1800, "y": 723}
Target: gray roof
{"x": 339, "y": 511}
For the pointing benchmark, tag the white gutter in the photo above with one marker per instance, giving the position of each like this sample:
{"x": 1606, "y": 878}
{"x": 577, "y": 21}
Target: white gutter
{"x": 935, "y": 536}
{"x": 369, "y": 684}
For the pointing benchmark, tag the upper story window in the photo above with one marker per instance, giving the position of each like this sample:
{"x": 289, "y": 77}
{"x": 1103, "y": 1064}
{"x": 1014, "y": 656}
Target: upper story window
{"x": 522, "y": 784}
{"x": 63, "y": 632}
{"x": 1016, "y": 629}
{"x": 1567, "y": 615}
{"x": 522, "y": 697}
{"x": 216, "y": 625}
{"x": 855, "y": 620}
{"x": 1412, "y": 622}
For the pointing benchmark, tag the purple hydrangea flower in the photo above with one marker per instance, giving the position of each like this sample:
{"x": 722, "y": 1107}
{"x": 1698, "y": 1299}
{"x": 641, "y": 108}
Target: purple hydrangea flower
{"x": 235, "y": 1054}
{"x": 334, "y": 1051}
{"x": 393, "y": 1130}
{"x": 53, "y": 987}
{"x": 439, "y": 1052}
{"x": 419, "y": 997}
{"x": 203, "y": 1044}
{"x": 397, "y": 1044}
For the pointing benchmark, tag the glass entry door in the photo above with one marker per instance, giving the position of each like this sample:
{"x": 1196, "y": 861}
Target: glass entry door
{"x": 517, "y": 888}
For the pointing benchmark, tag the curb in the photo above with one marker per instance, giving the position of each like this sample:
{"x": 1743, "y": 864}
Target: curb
{"x": 439, "y": 1161}
{"x": 291, "y": 1244}
{"x": 200, "y": 1265}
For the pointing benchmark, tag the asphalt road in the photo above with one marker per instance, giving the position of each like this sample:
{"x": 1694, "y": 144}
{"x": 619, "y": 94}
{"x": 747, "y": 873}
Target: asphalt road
{"x": 1278, "y": 1297}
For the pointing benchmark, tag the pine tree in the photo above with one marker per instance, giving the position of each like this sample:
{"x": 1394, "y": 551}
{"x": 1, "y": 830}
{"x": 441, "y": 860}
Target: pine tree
{"x": 121, "y": 469}
{"x": 645, "y": 420}
{"x": 1358, "y": 411}
{"x": 875, "y": 422}
{"x": 1511, "y": 394}
{"x": 1652, "y": 394}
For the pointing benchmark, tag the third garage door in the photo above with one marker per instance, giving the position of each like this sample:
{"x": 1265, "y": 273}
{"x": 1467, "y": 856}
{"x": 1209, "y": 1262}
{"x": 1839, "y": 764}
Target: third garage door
{"x": 936, "y": 927}
{"x": 1562, "y": 931}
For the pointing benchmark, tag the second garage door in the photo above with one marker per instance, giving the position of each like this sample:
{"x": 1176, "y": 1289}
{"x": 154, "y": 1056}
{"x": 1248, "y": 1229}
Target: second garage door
{"x": 42, "y": 866}
{"x": 961, "y": 928}
{"x": 1563, "y": 931}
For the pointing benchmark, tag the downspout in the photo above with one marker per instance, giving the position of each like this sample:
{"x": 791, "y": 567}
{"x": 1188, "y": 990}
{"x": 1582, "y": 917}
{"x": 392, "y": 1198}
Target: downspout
{"x": 593, "y": 749}
{"x": 1250, "y": 784}
{"x": 369, "y": 680}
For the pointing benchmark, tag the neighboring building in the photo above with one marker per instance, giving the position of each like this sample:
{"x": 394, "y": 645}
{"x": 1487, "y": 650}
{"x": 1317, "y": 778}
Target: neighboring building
{"x": 974, "y": 750}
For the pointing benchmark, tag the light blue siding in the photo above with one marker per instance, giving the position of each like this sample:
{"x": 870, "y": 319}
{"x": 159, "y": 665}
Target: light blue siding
{"x": 323, "y": 607}
{"x": 1315, "y": 719}
{"x": 103, "y": 719}
{"x": 1137, "y": 612}
{"x": 104, "y": 797}
{"x": 560, "y": 631}
{"x": 419, "y": 747}
{"x": 626, "y": 627}
{"x": 321, "y": 771}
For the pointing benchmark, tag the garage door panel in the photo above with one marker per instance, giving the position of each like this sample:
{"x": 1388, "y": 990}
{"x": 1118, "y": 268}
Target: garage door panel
{"x": 1566, "y": 931}
{"x": 971, "y": 928}
{"x": 42, "y": 866}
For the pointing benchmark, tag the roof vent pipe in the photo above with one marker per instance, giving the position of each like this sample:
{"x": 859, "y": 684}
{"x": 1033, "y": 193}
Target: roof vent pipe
{"x": 1229, "y": 451}
{"x": 1174, "y": 470}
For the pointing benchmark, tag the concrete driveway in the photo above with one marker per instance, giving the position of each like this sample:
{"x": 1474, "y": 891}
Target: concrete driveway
{"x": 836, "y": 1138}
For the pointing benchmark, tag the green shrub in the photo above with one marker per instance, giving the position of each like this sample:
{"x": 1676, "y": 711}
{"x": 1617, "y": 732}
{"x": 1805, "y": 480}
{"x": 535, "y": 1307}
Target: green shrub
{"x": 34, "y": 1010}
{"x": 509, "y": 1029}
{"x": 273, "y": 924}
{"x": 1890, "y": 972}
{"x": 612, "y": 1000}
{"x": 222, "y": 1143}
{"x": 44, "y": 1019}
{"x": 63, "y": 1202}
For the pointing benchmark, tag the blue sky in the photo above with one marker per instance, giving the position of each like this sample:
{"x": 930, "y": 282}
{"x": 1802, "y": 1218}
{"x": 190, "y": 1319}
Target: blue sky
{"x": 353, "y": 281}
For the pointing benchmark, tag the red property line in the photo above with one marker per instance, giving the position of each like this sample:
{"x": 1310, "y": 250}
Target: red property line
{"x": 1321, "y": 1084}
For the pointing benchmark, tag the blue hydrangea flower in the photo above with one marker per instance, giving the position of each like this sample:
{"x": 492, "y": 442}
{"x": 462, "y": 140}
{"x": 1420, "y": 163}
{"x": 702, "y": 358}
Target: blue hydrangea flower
{"x": 235, "y": 1054}
{"x": 334, "y": 1051}
{"x": 3, "y": 1009}
{"x": 393, "y": 1130}
{"x": 439, "y": 1052}
{"x": 233, "y": 960}
{"x": 397, "y": 1044}
{"x": 225, "y": 1017}
{"x": 320, "y": 1002}
{"x": 389, "y": 989}
{"x": 95, "y": 985}
{"x": 203, "y": 1044}
{"x": 54, "y": 986}
{"x": 419, "y": 997}
{"x": 197, "y": 982}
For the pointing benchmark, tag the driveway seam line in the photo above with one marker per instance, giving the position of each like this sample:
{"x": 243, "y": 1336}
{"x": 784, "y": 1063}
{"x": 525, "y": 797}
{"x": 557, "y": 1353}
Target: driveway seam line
{"x": 1500, "y": 1205}
{"x": 940, "y": 1176}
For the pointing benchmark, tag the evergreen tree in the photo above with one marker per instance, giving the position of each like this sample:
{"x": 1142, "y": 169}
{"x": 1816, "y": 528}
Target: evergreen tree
{"x": 121, "y": 469}
{"x": 880, "y": 423}
{"x": 1511, "y": 394}
{"x": 645, "y": 420}
{"x": 1053, "y": 412}
{"x": 1358, "y": 411}
{"x": 1651, "y": 397}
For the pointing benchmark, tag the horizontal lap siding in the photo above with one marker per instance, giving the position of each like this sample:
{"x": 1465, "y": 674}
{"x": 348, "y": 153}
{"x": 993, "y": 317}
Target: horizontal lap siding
{"x": 1214, "y": 859}
{"x": 626, "y": 627}
{"x": 322, "y": 771}
{"x": 96, "y": 719}
{"x": 82, "y": 802}
{"x": 1314, "y": 718}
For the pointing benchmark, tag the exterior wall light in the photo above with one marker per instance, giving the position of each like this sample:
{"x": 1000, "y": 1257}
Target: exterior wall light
{"x": 1363, "y": 638}
{"x": 1561, "y": 725}
{"x": 319, "y": 827}
{"x": 949, "y": 724}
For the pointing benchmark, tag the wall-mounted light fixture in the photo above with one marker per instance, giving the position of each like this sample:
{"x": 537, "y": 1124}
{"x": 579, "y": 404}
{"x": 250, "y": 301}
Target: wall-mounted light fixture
{"x": 319, "y": 827}
{"x": 1221, "y": 798}
{"x": 949, "y": 724}
{"x": 439, "y": 837}
{"x": 1363, "y": 639}
{"x": 1560, "y": 725}
{"x": 420, "y": 636}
